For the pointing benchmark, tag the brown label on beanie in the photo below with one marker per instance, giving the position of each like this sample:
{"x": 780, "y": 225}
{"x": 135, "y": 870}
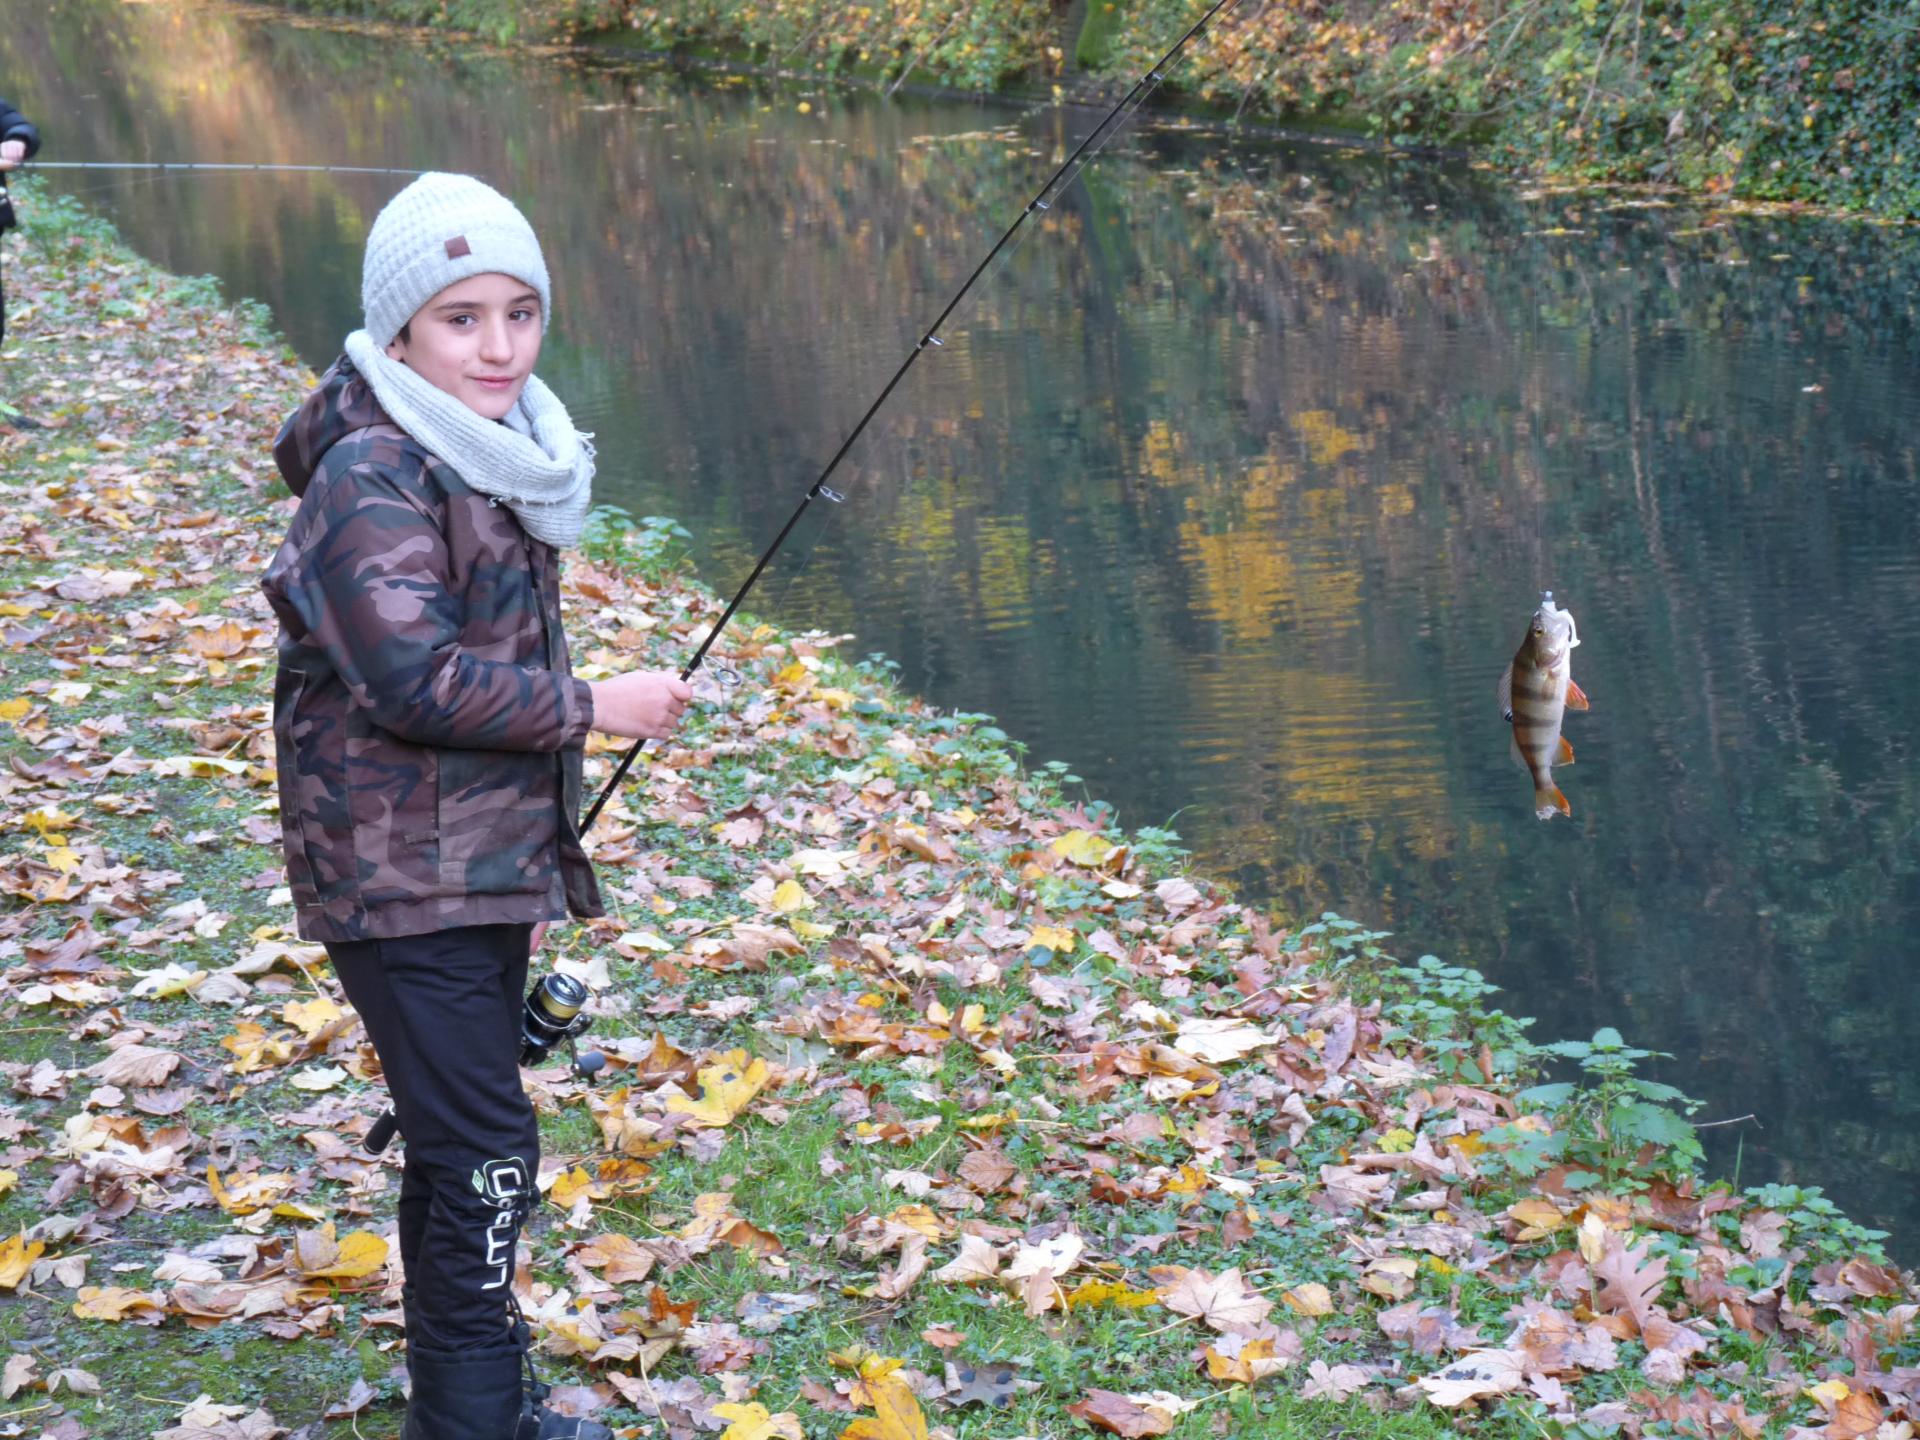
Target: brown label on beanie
{"x": 457, "y": 247}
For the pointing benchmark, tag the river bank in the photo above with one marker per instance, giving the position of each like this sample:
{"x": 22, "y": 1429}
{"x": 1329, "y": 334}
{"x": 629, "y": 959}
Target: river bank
{"x": 1751, "y": 100}
{"x": 937, "y": 1105}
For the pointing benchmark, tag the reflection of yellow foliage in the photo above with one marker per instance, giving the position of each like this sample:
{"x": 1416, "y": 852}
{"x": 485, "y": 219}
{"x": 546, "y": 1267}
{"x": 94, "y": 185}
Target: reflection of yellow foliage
{"x": 1266, "y": 478}
{"x": 1395, "y": 501}
{"x": 1007, "y": 565}
{"x": 1160, "y": 454}
{"x": 923, "y": 524}
{"x": 1326, "y": 441}
{"x": 1244, "y": 576}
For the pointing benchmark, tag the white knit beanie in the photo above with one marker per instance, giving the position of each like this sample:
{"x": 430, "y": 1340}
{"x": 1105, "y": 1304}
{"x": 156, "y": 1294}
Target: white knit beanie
{"x": 440, "y": 229}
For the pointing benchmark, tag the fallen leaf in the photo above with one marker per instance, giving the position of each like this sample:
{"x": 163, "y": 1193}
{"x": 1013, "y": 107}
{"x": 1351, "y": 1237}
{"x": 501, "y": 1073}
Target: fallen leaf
{"x": 1114, "y": 1413}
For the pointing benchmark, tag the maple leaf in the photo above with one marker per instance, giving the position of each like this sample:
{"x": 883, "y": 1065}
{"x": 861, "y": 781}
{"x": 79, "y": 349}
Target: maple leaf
{"x": 319, "y": 1257}
{"x": 625, "y": 1261}
{"x": 1222, "y": 1302}
{"x": 16, "y": 1259}
{"x": 1630, "y": 1279}
{"x": 896, "y": 1410}
{"x": 1333, "y": 1382}
{"x": 1311, "y": 1299}
{"x": 117, "y": 1303}
{"x": 752, "y": 1421}
{"x": 1477, "y": 1376}
{"x": 1114, "y": 1413}
{"x": 978, "y": 1260}
{"x": 137, "y": 1065}
{"x": 727, "y": 1086}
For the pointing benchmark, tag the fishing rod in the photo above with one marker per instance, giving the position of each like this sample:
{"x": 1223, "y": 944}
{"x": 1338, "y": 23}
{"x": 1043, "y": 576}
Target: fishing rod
{"x": 554, "y": 1013}
{"x": 1103, "y": 133}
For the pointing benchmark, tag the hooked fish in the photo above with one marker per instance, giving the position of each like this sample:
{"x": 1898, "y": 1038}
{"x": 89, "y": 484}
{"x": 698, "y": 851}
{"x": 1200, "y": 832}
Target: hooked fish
{"x": 1536, "y": 691}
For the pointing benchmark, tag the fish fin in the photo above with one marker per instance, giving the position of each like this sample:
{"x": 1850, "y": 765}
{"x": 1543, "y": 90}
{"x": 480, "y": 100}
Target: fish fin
{"x": 1576, "y": 697}
{"x": 1548, "y": 802}
{"x": 1504, "y": 690}
{"x": 1564, "y": 755}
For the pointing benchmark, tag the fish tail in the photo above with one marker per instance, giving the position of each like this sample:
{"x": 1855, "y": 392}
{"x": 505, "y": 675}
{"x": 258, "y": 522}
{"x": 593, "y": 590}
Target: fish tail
{"x": 1548, "y": 801}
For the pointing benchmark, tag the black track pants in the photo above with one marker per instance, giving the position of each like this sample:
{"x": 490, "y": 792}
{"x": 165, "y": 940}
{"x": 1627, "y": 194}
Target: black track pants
{"x": 444, "y": 1014}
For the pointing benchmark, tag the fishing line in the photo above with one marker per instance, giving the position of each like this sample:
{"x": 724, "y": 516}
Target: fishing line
{"x": 1062, "y": 181}
{"x": 800, "y": 552}
{"x": 1095, "y": 140}
{"x": 799, "y": 555}
{"x": 225, "y": 166}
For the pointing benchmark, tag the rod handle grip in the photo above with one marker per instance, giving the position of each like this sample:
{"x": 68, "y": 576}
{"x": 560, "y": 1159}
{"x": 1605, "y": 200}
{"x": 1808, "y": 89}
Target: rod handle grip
{"x": 383, "y": 1131}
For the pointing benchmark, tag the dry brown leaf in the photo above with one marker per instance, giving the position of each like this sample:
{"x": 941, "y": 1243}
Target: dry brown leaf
{"x": 1222, "y": 1302}
{"x": 136, "y": 1065}
{"x": 1114, "y": 1413}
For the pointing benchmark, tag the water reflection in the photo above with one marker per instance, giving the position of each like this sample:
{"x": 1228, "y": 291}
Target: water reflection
{"x": 1234, "y": 490}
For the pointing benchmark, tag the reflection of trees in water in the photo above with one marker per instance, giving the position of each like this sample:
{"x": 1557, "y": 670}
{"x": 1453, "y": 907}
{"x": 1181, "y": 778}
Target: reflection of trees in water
{"x": 1234, "y": 489}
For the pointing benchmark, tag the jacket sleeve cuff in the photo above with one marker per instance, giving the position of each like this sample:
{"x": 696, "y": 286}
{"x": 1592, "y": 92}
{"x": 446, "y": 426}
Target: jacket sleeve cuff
{"x": 579, "y": 715}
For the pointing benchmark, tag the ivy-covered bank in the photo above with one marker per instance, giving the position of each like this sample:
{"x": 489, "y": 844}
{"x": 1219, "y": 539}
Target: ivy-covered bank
{"x": 937, "y": 1106}
{"x": 1772, "y": 100}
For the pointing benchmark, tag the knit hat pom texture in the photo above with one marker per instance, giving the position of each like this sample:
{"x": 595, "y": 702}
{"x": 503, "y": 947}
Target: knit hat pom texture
{"x": 436, "y": 232}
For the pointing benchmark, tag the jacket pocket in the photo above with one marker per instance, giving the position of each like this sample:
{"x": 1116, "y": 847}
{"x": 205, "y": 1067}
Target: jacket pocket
{"x": 499, "y": 822}
{"x": 303, "y": 786}
{"x": 392, "y": 793}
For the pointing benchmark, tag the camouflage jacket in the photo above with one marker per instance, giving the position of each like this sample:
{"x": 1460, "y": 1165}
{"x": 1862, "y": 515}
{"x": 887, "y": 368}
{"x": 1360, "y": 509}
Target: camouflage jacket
{"x": 427, "y": 723}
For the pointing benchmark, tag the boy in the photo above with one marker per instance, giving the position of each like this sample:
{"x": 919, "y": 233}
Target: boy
{"x": 429, "y": 736}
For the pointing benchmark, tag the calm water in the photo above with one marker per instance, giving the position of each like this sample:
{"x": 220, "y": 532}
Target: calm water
{"x": 1233, "y": 491}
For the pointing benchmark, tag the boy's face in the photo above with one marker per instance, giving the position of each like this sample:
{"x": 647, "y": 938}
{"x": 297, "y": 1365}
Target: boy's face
{"x": 477, "y": 340}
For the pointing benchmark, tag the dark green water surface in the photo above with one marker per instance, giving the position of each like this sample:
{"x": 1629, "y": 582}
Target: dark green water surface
{"x": 1234, "y": 491}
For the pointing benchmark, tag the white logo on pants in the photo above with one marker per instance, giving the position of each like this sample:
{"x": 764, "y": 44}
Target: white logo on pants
{"x": 503, "y": 1184}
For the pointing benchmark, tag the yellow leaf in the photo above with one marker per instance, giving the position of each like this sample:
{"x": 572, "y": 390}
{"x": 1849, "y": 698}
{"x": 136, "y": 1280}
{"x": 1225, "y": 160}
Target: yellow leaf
{"x": 570, "y": 1185}
{"x": 1112, "y": 1293}
{"x": 254, "y": 1049}
{"x": 754, "y": 1421}
{"x": 1827, "y": 1392}
{"x": 206, "y": 767}
{"x": 1391, "y": 1277}
{"x": 1311, "y": 1299}
{"x": 896, "y": 1413}
{"x": 361, "y": 1253}
{"x": 8, "y": 1179}
{"x": 789, "y": 896}
{"x": 1593, "y": 1238}
{"x": 17, "y": 1257}
{"x": 1396, "y": 1142}
{"x": 15, "y": 710}
{"x": 1083, "y": 847}
{"x": 1537, "y": 1217}
{"x": 310, "y": 1017}
{"x": 726, "y": 1088}
{"x": 1056, "y": 938}
{"x": 50, "y": 821}
{"x": 115, "y": 1302}
{"x": 807, "y": 930}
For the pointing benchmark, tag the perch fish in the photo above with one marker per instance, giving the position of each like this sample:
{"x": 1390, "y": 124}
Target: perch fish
{"x": 1536, "y": 691}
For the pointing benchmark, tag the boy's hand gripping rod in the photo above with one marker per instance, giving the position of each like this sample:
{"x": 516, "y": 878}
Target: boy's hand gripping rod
{"x": 1101, "y": 133}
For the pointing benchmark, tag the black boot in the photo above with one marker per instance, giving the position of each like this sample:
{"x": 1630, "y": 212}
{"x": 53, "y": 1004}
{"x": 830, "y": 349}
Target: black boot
{"x": 464, "y": 1396}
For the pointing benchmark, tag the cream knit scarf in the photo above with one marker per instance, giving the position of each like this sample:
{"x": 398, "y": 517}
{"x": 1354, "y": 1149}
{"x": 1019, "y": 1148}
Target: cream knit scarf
{"x": 534, "y": 461}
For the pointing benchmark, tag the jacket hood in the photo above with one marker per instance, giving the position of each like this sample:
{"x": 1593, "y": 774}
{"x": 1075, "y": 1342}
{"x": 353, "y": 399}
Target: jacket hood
{"x": 340, "y": 404}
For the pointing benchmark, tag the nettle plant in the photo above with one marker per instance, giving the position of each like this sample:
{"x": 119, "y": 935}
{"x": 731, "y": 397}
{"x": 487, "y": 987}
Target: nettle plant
{"x": 1611, "y": 1126}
